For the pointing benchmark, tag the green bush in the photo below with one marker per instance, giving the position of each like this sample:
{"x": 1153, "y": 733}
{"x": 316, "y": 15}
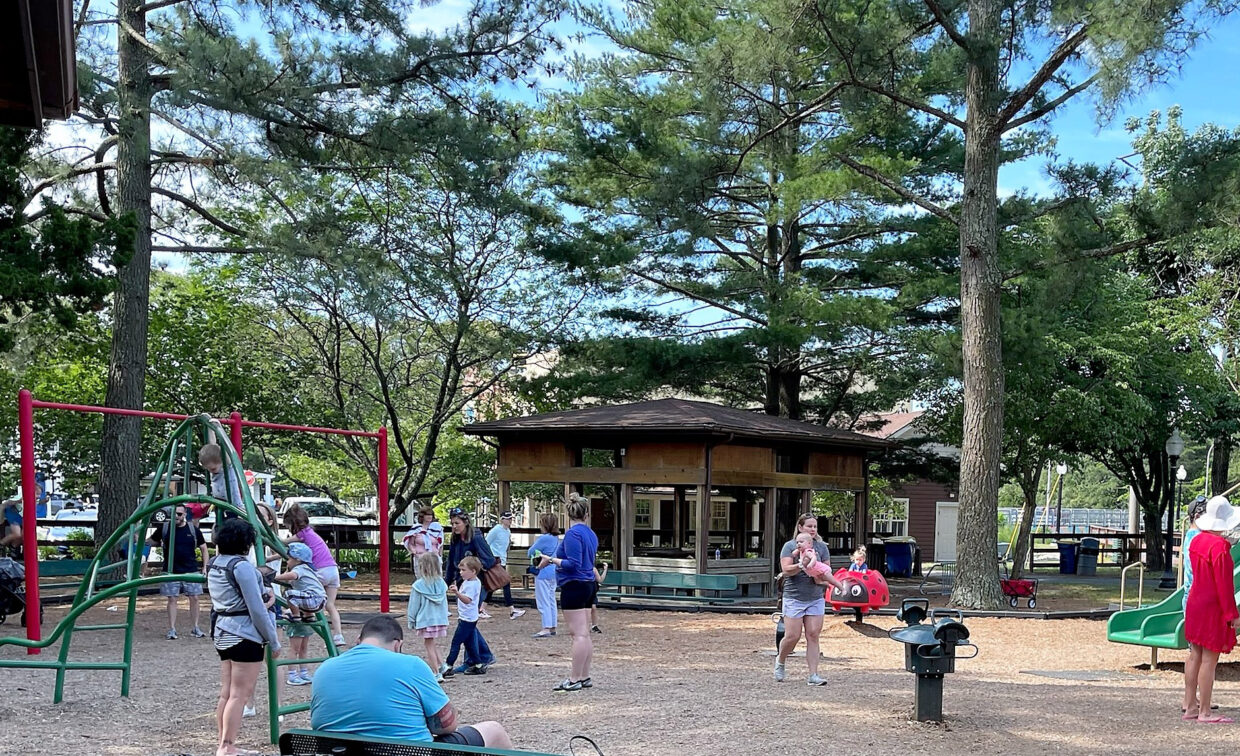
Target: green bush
{"x": 81, "y": 551}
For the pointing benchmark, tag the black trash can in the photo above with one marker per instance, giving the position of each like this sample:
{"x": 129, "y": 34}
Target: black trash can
{"x": 1087, "y": 558}
{"x": 1067, "y": 556}
{"x": 876, "y": 557}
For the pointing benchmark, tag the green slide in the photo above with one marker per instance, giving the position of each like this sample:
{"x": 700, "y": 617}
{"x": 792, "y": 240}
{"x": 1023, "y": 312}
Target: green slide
{"x": 1160, "y": 625}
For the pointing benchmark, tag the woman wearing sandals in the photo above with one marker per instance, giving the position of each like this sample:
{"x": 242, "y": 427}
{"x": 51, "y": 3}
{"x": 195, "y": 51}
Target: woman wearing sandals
{"x": 574, "y": 574}
{"x": 1210, "y": 616}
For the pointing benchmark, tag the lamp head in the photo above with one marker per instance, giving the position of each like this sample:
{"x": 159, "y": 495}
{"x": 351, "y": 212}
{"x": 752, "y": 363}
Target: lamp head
{"x": 1181, "y": 474}
{"x": 1061, "y": 468}
{"x": 1175, "y": 444}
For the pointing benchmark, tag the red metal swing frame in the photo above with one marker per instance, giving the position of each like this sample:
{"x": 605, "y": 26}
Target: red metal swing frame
{"x": 26, "y": 405}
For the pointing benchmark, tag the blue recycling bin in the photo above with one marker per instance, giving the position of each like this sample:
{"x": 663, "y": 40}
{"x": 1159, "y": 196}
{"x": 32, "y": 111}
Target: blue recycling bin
{"x": 899, "y": 556}
{"x": 1067, "y": 556}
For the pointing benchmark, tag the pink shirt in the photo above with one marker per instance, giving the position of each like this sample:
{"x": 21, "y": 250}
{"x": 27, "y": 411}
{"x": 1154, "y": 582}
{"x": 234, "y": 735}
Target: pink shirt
{"x": 321, "y": 556}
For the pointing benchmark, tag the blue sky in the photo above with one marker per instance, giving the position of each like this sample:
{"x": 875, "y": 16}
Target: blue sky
{"x": 1207, "y": 88}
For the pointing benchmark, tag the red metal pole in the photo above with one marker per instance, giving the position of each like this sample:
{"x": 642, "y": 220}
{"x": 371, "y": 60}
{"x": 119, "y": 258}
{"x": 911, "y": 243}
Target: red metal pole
{"x": 30, "y": 520}
{"x": 235, "y": 419}
{"x": 385, "y": 537}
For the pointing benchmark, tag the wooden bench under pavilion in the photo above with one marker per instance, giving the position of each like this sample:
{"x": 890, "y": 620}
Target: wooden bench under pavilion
{"x": 656, "y": 460}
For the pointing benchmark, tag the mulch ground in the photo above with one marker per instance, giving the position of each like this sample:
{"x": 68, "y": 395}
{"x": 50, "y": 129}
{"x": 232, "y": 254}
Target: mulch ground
{"x": 674, "y": 683}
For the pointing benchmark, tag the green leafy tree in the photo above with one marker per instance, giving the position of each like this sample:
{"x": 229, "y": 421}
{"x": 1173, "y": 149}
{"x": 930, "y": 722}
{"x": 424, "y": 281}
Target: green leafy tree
{"x": 733, "y": 246}
{"x": 250, "y": 100}
{"x": 49, "y": 262}
{"x": 428, "y": 299}
{"x": 986, "y": 69}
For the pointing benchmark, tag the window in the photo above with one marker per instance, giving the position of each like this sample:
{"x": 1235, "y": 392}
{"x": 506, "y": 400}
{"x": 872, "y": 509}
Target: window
{"x": 641, "y": 513}
{"x": 719, "y": 515}
{"x": 892, "y": 518}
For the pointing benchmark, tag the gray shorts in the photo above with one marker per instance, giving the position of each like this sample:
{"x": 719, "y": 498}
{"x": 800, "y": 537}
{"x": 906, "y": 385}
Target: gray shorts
{"x": 794, "y": 608}
{"x": 180, "y": 588}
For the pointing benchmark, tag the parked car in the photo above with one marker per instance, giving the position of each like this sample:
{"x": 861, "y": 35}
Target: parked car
{"x": 73, "y": 519}
{"x": 325, "y": 515}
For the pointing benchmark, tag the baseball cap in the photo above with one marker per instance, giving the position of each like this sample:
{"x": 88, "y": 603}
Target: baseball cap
{"x": 505, "y": 515}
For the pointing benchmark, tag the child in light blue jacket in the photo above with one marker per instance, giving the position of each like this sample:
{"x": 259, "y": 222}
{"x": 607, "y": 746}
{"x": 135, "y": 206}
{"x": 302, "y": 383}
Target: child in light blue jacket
{"x": 428, "y": 608}
{"x": 544, "y": 582}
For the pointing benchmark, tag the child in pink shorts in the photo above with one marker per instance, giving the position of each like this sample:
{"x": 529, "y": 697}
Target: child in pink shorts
{"x": 428, "y": 608}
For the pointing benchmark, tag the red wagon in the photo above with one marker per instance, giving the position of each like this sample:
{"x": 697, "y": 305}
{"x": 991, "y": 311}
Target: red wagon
{"x": 1020, "y": 588}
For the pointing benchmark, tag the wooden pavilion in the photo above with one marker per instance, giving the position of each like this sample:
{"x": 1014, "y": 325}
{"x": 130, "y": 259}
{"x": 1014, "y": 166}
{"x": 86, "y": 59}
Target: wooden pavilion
{"x": 655, "y": 461}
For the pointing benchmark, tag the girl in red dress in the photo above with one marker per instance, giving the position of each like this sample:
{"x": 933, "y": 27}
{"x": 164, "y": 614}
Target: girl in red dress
{"x": 1210, "y": 617}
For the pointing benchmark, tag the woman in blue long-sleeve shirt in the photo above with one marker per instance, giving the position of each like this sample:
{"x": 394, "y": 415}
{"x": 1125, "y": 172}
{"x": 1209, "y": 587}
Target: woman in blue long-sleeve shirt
{"x": 574, "y": 574}
{"x": 467, "y": 541}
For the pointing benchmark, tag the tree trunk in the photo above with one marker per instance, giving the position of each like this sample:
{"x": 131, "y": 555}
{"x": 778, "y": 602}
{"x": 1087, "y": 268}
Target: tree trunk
{"x": 120, "y": 470}
{"x": 1220, "y": 465}
{"x": 1024, "y": 540}
{"x": 977, "y": 582}
{"x": 1154, "y": 541}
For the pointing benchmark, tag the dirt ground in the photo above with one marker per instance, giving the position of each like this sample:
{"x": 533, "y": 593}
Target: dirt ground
{"x": 673, "y": 683}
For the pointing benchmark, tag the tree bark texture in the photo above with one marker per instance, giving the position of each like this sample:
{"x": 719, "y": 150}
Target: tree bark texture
{"x": 1220, "y": 465}
{"x": 1020, "y": 549}
{"x": 120, "y": 470}
{"x": 1154, "y": 540}
{"x": 977, "y": 581}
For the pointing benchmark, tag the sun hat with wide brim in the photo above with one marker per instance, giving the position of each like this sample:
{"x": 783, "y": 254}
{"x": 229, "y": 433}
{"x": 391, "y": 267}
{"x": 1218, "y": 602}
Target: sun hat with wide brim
{"x": 1220, "y": 515}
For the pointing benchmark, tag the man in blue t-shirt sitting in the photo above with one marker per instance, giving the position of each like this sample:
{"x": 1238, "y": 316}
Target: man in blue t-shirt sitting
{"x": 373, "y": 689}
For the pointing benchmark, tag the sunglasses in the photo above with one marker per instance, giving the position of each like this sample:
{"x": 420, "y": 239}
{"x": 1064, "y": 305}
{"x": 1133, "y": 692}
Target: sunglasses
{"x": 456, "y": 512}
{"x": 180, "y": 514}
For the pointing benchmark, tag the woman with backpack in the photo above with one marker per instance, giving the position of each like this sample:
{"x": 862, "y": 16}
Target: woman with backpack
{"x": 241, "y": 626}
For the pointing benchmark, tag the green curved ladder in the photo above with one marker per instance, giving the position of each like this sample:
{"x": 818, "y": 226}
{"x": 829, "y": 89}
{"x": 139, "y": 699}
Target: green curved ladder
{"x": 95, "y": 587}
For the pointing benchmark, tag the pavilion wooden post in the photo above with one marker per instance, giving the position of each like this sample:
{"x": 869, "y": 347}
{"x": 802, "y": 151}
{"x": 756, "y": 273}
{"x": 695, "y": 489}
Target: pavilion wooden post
{"x": 861, "y": 509}
{"x": 624, "y": 549}
{"x": 703, "y": 528}
{"x": 678, "y": 513}
{"x": 505, "y": 499}
{"x": 771, "y": 545}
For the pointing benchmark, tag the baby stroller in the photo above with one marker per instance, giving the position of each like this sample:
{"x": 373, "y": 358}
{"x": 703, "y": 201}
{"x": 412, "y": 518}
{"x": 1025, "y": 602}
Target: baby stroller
{"x": 12, "y": 589}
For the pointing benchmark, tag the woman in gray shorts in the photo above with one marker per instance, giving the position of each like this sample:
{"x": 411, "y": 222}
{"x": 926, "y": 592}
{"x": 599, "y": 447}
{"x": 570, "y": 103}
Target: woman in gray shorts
{"x": 804, "y": 601}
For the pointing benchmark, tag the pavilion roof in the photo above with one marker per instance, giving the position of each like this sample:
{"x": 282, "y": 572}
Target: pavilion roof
{"x": 674, "y": 417}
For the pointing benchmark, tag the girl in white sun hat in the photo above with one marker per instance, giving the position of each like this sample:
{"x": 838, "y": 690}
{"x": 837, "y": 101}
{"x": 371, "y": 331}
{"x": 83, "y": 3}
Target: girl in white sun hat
{"x": 1210, "y": 616}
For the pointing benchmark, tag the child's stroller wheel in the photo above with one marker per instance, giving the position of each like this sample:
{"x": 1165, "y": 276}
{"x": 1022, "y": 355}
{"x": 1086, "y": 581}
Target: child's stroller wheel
{"x": 1033, "y": 603}
{"x": 1012, "y": 602}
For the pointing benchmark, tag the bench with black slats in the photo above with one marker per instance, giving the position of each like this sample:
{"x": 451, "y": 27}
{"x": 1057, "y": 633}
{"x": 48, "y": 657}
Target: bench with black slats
{"x": 647, "y": 582}
{"x": 316, "y": 743}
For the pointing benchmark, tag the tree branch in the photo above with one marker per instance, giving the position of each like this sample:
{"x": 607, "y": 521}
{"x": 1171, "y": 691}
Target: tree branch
{"x": 949, "y": 28}
{"x": 697, "y": 297}
{"x": 1066, "y": 95}
{"x": 903, "y": 193}
{"x": 1022, "y": 96}
{"x": 205, "y": 214}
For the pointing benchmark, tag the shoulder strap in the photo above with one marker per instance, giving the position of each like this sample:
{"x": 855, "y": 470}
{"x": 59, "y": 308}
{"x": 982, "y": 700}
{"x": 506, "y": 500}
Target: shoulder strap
{"x": 230, "y": 570}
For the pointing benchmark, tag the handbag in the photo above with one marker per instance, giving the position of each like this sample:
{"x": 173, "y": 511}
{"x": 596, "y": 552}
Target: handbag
{"x": 495, "y": 577}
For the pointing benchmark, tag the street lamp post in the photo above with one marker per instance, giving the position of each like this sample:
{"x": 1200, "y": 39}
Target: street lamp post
{"x": 1174, "y": 448}
{"x": 1060, "y": 468}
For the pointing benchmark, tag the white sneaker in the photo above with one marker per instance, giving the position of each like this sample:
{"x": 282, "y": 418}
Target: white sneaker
{"x": 815, "y": 680}
{"x": 338, "y": 640}
{"x": 780, "y": 674}
{"x": 249, "y": 712}
{"x": 483, "y": 615}
{"x": 516, "y": 613}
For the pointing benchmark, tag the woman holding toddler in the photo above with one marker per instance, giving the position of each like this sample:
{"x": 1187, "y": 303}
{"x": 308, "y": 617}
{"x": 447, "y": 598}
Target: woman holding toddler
{"x": 804, "y": 606}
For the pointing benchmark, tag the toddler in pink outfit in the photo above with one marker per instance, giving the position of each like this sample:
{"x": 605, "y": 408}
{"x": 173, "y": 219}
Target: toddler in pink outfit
{"x": 808, "y": 557}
